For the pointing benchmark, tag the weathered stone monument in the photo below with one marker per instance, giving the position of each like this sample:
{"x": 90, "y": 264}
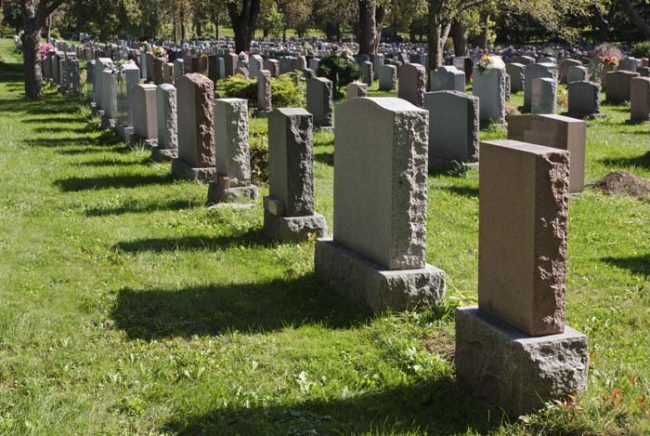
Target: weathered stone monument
{"x": 357, "y": 89}
{"x": 387, "y": 77}
{"x": 196, "y": 152}
{"x": 577, "y": 74}
{"x": 367, "y": 72}
{"x": 289, "y": 213}
{"x": 514, "y": 349}
{"x": 166, "y": 109}
{"x": 544, "y": 98}
{"x": 319, "y": 102}
{"x": 232, "y": 180}
{"x": 584, "y": 99}
{"x": 231, "y": 63}
{"x": 516, "y": 73}
{"x": 618, "y": 85}
{"x": 412, "y": 83}
{"x": 377, "y": 255}
{"x": 145, "y": 116}
{"x": 264, "y": 93}
{"x": 490, "y": 88}
{"x": 109, "y": 98}
{"x": 447, "y": 78}
{"x": 536, "y": 71}
{"x": 565, "y": 65}
{"x": 453, "y": 127}
{"x": 640, "y": 100}
{"x": 555, "y": 131}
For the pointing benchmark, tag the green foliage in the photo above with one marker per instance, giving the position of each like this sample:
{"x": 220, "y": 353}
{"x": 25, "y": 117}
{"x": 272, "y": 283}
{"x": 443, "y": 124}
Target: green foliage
{"x": 288, "y": 90}
{"x": 238, "y": 86}
{"x": 340, "y": 69}
{"x": 641, "y": 49}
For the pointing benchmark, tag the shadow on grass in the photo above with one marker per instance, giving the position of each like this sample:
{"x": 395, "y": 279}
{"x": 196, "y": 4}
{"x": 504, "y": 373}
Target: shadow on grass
{"x": 642, "y": 161}
{"x": 216, "y": 309}
{"x": 174, "y": 205}
{"x": 50, "y": 120}
{"x": 191, "y": 243}
{"x": 113, "y": 163}
{"x": 441, "y": 407}
{"x": 463, "y": 191}
{"x": 635, "y": 264}
{"x": 63, "y": 129}
{"x": 324, "y": 158}
{"x": 93, "y": 150}
{"x": 76, "y": 184}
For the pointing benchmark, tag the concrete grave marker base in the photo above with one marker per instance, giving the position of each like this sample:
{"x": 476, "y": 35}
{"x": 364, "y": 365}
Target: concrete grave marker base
{"x": 125, "y": 133}
{"x": 159, "y": 154}
{"x": 183, "y": 170}
{"x": 224, "y": 190}
{"x": 138, "y": 142}
{"x": 514, "y": 371}
{"x": 293, "y": 228}
{"x": 108, "y": 123}
{"x": 372, "y": 286}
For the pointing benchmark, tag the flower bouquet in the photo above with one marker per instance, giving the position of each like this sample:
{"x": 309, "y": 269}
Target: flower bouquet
{"x": 489, "y": 62}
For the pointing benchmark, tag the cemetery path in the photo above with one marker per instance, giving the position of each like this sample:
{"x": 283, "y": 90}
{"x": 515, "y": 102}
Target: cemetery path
{"x": 129, "y": 307}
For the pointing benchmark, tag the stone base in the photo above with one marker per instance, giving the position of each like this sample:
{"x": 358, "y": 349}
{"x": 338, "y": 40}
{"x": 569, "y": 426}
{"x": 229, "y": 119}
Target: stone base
{"x": 372, "y": 286}
{"x": 514, "y": 371}
{"x": 97, "y": 112}
{"x": 183, "y": 170}
{"x": 163, "y": 154}
{"x": 329, "y": 129}
{"x": 293, "y": 228}
{"x": 144, "y": 143}
{"x": 108, "y": 123}
{"x": 125, "y": 132}
{"x": 219, "y": 194}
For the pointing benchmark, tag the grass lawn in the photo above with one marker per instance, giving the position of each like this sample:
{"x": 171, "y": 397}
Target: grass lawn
{"x": 130, "y": 308}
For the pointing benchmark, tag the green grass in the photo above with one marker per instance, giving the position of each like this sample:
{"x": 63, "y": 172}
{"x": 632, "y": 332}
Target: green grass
{"x": 130, "y": 308}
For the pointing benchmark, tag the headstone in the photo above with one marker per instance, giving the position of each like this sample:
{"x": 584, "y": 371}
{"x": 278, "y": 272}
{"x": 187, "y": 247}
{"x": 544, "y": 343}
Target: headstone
{"x": 109, "y": 98}
{"x": 196, "y": 159}
{"x": 629, "y": 64}
{"x": 187, "y": 63}
{"x": 577, "y": 74}
{"x": 644, "y": 71}
{"x": 514, "y": 349}
{"x": 544, "y": 96}
{"x": 314, "y": 63}
{"x": 319, "y": 102}
{"x": 377, "y": 62}
{"x": 167, "y": 116}
{"x": 412, "y": 84}
{"x": 547, "y": 60}
{"x": 565, "y": 64}
{"x": 640, "y": 99}
{"x": 536, "y": 71}
{"x": 158, "y": 73}
{"x": 149, "y": 59}
{"x": 447, "y": 78}
{"x": 618, "y": 85}
{"x": 453, "y": 127}
{"x": 465, "y": 64}
{"x": 516, "y": 73}
{"x": 264, "y": 94}
{"x": 377, "y": 255}
{"x": 100, "y": 65}
{"x": 524, "y": 60}
{"x": 255, "y": 65}
{"x": 387, "y": 77}
{"x": 231, "y": 64}
{"x": 356, "y": 90}
{"x": 555, "y": 131}
{"x": 232, "y": 180}
{"x": 490, "y": 88}
{"x": 90, "y": 81}
{"x": 273, "y": 65}
{"x": 584, "y": 99}
{"x": 289, "y": 213}
{"x": 145, "y": 116}
{"x": 367, "y": 72}
{"x": 213, "y": 68}
{"x": 179, "y": 69}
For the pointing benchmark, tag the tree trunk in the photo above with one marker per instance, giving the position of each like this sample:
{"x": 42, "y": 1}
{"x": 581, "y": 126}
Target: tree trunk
{"x": 438, "y": 34}
{"x": 459, "y": 34}
{"x": 601, "y": 26}
{"x": 244, "y": 22}
{"x": 380, "y": 14}
{"x": 367, "y": 27}
{"x": 32, "y": 24}
{"x": 484, "y": 36}
{"x": 636, "y": 18}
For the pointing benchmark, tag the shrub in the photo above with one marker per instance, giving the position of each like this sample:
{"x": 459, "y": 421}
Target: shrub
{"x": 238, "y": 86}
{"x": 641, "y": 49}
{"x": 340, "y": 69}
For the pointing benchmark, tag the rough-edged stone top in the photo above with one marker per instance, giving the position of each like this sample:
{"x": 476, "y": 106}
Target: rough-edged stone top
{"x": 291, "y": 178}
{"x": 380, "y": 181}
{"x": 231, "y": 138}
{"x": 195, "y": 120}
{"x": 523, "y": 215}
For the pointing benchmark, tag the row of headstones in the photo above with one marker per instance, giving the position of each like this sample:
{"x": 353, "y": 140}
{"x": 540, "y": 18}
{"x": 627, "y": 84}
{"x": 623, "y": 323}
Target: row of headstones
{"x": 377, "y": 254}
{"x": 62, "y": 69}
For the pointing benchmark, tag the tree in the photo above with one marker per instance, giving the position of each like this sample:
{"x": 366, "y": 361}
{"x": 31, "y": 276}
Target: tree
{"x": 297, "y": 14}
{"x": 35, "y": 14}
{"x": 636, "y": 18}
{"x": 243, "y": 16}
